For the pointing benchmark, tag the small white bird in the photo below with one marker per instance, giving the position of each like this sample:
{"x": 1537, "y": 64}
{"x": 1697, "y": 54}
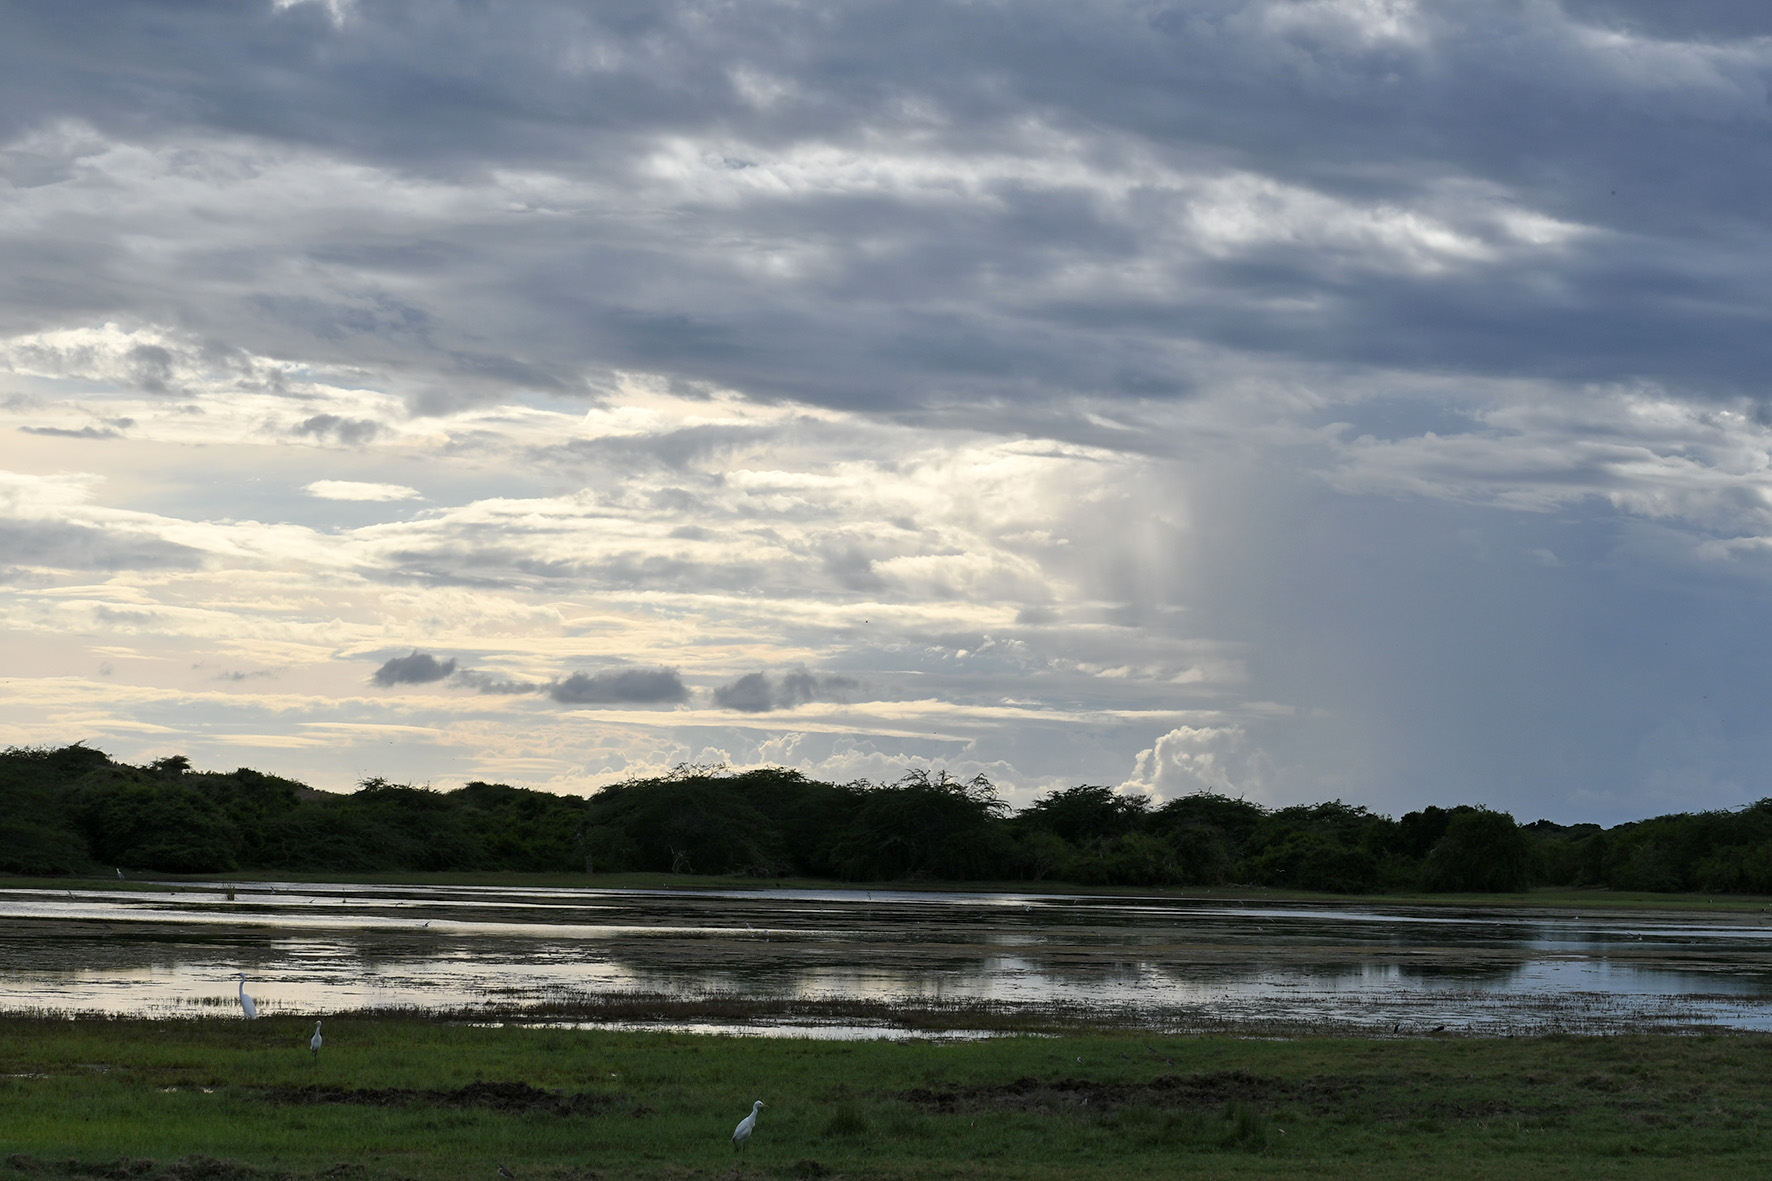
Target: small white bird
{"x": 314, "y": 1042}
{"x": 747, "y": 1125}
{"x": 246, "y": 1004}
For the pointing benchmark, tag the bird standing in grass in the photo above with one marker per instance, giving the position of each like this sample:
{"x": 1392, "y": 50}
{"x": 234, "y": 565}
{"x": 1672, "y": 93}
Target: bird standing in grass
{"x": 314, "y": 1042}
{"x": 246, "y": 1003}
{"x": 747, "y": 1125}
{"x": 506, "y": 1174}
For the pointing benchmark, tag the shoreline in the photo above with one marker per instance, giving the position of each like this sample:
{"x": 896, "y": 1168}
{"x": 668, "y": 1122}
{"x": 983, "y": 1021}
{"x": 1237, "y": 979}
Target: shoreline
{"x": 1555, "y": 899}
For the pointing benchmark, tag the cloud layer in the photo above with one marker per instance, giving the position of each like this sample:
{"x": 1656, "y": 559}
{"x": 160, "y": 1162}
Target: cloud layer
{"x": 1297, "y": 397}
{"x": 418, "y": 668}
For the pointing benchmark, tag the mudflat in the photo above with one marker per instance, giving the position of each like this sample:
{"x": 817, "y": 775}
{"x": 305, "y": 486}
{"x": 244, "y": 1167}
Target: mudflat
{"x": 921, "y": 960}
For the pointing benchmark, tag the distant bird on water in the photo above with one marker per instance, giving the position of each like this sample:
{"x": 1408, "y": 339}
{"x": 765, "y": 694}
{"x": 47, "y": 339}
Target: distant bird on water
{"x": 314, "y": 1042}
{"x": 747, "y": 1125}
{"x": 246, "y": 1004}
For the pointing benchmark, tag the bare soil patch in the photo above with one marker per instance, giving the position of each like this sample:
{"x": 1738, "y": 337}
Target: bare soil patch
{"x": 196, "y": 1167}
{"x": 1168, "y": 1090}
{"x": 508, "y": 1097}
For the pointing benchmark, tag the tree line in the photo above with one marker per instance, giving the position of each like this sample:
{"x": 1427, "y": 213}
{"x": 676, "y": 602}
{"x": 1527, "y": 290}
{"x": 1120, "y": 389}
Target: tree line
{"x": 74, "y": 810}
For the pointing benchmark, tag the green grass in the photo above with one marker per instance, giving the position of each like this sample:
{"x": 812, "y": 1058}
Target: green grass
{"x": 219, "y": 1100}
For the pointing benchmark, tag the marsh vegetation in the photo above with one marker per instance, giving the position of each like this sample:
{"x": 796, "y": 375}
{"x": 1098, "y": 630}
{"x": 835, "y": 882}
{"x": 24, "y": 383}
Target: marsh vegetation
{"x": 225, "y": 1100}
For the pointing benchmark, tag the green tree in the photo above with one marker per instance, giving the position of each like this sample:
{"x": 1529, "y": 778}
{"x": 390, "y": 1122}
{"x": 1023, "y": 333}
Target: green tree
{"x": 1086, "y": 813}
{"x": 695, "y": 823}
{"x": 160, "y": 827}
{"x": 1481, "y": 852}
{"x": 929, "y": 827}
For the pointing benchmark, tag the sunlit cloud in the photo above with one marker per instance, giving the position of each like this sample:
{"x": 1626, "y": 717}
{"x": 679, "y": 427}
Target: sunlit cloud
{"x": 359, "y": 490}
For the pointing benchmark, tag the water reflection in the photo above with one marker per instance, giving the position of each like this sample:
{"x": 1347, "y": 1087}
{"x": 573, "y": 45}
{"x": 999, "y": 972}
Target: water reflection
{"x": 1158, "y": 963}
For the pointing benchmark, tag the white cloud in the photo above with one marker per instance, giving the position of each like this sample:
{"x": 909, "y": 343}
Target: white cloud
{"x": 1643, "y": 451}
{"x": 358, "y": 490}
{"x": 1191, "y": 759}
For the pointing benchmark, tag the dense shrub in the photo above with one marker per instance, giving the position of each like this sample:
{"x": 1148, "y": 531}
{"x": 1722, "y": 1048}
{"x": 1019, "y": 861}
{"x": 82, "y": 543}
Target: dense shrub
{"x": 1481, "y": 852}
{"x": 73, "y": 810}
{"x": 1736, "y": 869}
{"x": 695, "y": 824}
{"x": 162, "y": 827}
{"x": 39, "y": 851}
{"x": 1303, "y": 860}
{"x": 927, "y": 827}
{"x": 1087, "y": 813}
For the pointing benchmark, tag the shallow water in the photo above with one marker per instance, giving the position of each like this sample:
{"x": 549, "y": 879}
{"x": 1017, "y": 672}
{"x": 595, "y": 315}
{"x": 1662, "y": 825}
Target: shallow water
{"x": 818, "y": 957}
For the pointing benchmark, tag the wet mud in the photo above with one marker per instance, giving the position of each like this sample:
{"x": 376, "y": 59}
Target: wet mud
{"x": 187, "y": 1168}
{"x": 1194, "y": 1091}
{"x": 504, "y": 1097}
{"x": 1376, "y": 1099}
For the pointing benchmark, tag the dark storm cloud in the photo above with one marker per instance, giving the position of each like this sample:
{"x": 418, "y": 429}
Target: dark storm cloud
{"x": 630, "y": 686}
{"x": 1058, "y": 141}
{"x": 760, "y": 693}
{"x": 419, "y": 668}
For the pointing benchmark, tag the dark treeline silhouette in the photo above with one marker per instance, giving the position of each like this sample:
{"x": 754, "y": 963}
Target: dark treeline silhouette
{"x": 73, "y": 810}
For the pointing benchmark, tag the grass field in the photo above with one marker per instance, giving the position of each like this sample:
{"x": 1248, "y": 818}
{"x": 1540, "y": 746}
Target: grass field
{"x": 393, "y": 1097}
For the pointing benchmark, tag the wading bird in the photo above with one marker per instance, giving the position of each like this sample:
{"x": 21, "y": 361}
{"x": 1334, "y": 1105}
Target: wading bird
{"x": 246, "y": 1004}
{"x": 314, "y": 1042}
{"x": 747, "y": 1125}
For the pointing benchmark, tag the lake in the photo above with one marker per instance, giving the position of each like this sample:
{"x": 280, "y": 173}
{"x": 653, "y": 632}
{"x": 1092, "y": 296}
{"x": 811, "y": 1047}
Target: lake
{"x": 854, "y": 963}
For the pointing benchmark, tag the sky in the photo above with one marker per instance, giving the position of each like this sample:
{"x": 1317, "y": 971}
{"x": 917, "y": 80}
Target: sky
{"x": 1297, "y": 399}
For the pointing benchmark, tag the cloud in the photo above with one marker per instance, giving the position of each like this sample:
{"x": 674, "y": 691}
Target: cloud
{"x": 915, "y": 241}
{"x": 759, "y": 693}
{"x": 416, "y": 669}
{"x": 140, "y": 358}
{"x": 75, "y": 546}
{"x": 1191, "y": 759}
{"x": 356, "y": 490}
{"x": 85, "y": 432}
{"x": 1099, "y": 378}
{"x": 347, "y": 431}
{"x": 634, "y": 686}
{"x": 485, "y": 682}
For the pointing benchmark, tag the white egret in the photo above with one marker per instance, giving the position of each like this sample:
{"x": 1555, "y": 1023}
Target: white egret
{"x": 246, "y": 1003}
{"x": 747, "y": 1125}
{"x": 314, "y": 1042}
